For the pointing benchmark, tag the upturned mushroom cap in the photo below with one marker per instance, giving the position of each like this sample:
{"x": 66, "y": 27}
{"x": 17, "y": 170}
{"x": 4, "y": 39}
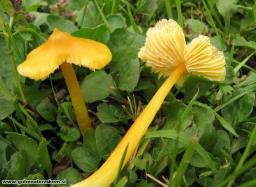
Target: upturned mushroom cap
{"x": 62, "y": 47}
{"x": 165, "y": 49}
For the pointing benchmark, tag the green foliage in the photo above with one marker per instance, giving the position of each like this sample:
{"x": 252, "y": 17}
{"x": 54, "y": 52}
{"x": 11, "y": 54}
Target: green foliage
{"x": 116, "y": 21}
{"x": 203, "y": 135}
{"x": 69, "y": 134}
{"x": 194, "y": 84}
{"x": 43, "y": 157}
{"x": 47, "y": 110}
{"x": 97, "y": 86}
{"x": 106, "y": 138}
{"x": 129, "y": 76}
{"x": 60, "y": 23}
{"x": 99, "y": 33}
{"x": 71, "y": 175}
{"x": 17, "y": 166}
{"x": 226, "y": 8}
{"x": 26, "y": 145}
{"x": 84, "y": 159}
{"x": 196, "y": 26}
{"x": 239, "y": 110}
{"x": 120, "y": 43}
{"x": 108, "y": 113}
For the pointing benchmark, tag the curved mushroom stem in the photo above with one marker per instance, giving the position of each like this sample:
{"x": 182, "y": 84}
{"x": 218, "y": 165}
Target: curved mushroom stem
{"x": 104, "y": 176}
{"x": 77, "y": 100}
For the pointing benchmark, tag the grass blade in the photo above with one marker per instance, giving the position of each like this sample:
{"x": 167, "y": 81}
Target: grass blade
{"x": 184, "y": 138}
{"x": 241, "y": 64}
{"x": 243, "y": 169}
{"x": 245, "y": 154}
{"x": 115, "y": 183}
{"x": 115, "y": 5}
{"x": 184, "y": 162}
{"x": 222, "y": 121}
{"x": 250, "y": 183}
{"x": 168, "y": 7}
{"x": 180, "y": 16}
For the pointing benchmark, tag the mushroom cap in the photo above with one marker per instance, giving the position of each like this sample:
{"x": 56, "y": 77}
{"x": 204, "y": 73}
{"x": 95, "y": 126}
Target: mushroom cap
{"x": 165, "y": 48}
{"x": 62, "y": 47}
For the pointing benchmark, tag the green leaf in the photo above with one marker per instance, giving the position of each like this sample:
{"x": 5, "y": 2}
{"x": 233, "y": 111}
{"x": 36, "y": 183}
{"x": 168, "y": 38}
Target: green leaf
{"x": 116, "y": 21}
{"x": 108, "y": 113}
{"x": 129, "y": 76}
{"x": 89, "y": 140}
{"x": 222, "y": 146}
{"x": 225, "y": 124}
{"x": 7, "y": 107}
{"x": 143, "y": 163}
{"x": 32, "y": 5}
{"x": 17, "y": 166}
{"x": 44, "y": 158}
{"x": 62, "y": 152}
{"x": 71, "y": 175}
{"x": 4, "y": 156}
{"x": 144, "y": 183}
{"x": 197, "y": 161}
{"x": 6, "y": 70}
{"x": 35, "y": 177}
{"x": 69, "y": 134}
{"x": 185, "y": 139}
{"x": 226, "y": 8}
{"x": 189, "y": 152}
{"x": 40, "y": 18}
{"x": 222, "y": 121}
{"x": 61, "y": 23}
{"x": 196, "y": 25}
{"x": 149, "y": 8}
{"x": 250, "y": 80}
{"x": 174, "y": 111}
{"x": 204, "y": 118}
{"x": 7, "y": 7}
{"x": 240, "y": 109}
{"x": 25, "y": 144}
{"x": 122, "y": 182}
{"x": 107, "y": 138}
{"x": 85, "y": 159}
{"x": 218, "y": 42}
{"x": 210, "y": 162}
{"x": 120, "y": 45}
{"x": 242, "y": 42}
{"x": 99, "y": 33}
{"x": 230, "y": 75}
{"x": 194, "y": 84}
{"x": 170, "y": 133}
{"x": 47, "y": 110}
{"x": 34, "y": 95}
{"x": 88, "y": 16}
{"x": 97, "y": 86}
{"x": 76, "y": 4}
{"x": 4, "y": 92}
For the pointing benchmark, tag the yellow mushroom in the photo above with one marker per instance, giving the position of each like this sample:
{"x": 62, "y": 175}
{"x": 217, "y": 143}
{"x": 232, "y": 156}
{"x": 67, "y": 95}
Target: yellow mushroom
{"x": 62, "y": 49}
{"x": 166, "y": 52}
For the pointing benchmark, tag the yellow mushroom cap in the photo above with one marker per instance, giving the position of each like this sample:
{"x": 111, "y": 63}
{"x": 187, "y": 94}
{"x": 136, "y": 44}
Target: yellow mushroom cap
{"x": 165, "y": 49}
{"x": 62, "y": 47}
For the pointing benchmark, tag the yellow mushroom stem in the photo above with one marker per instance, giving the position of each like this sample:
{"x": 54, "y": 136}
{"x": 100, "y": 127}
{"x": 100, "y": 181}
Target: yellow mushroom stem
{"x": 77, "y": 100}
{"x": 107, "y": 173}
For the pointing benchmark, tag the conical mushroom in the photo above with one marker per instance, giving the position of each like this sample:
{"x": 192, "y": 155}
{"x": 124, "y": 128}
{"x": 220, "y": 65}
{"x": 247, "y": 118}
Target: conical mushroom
{"x": 166, "y": 52}
{"x": 62, "y": 49}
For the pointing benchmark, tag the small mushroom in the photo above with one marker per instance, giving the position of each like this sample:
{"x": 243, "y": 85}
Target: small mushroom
{"x": 62, "y": 49}
{"x": 166, "y": 52}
